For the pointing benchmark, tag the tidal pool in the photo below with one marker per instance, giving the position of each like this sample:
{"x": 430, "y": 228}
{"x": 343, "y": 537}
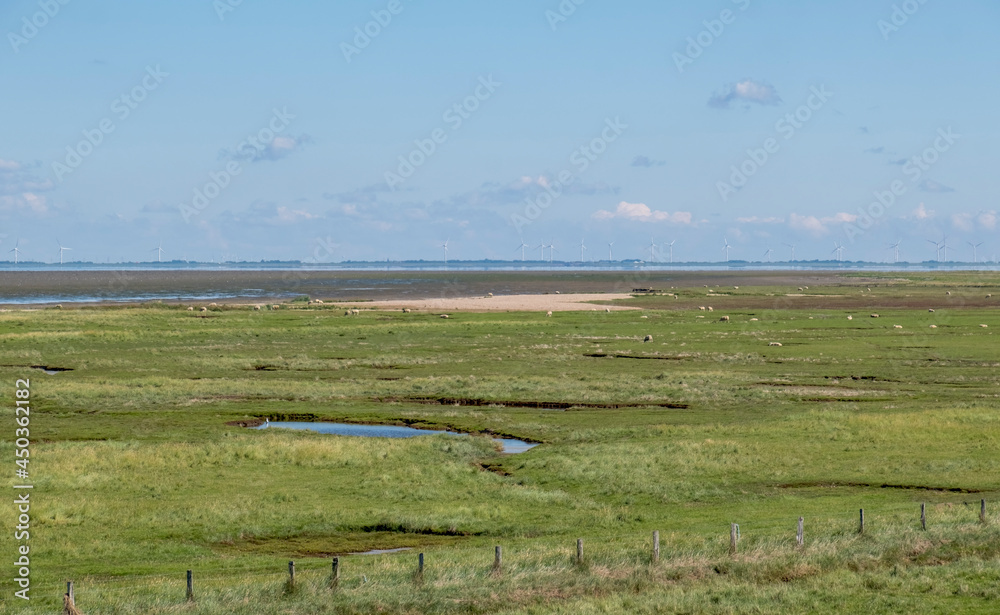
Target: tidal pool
{"x": 510, "y": 445}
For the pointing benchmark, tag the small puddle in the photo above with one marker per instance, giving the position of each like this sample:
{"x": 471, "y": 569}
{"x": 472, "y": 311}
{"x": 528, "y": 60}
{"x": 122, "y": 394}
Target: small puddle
{"x": 510, "y": 445}
{"x": 51, "y": 370}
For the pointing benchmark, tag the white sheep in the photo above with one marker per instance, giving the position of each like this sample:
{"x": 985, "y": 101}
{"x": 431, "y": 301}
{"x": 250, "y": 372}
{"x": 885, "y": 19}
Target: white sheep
{"x": 775, "y": 344}
{"x": 984, "y": 326}
{"x": 897, "y": 326}
{"x": 874, "y": 315}
{"x": 648, "y": 338}
{"x": 549, "y": 313}
{"x": 190, "y": 309}
{"x": 724, "y": 319}
{"x": 933, "y": 326}
{"x": 445, "y": 316}
{"x": 850, "y": 318}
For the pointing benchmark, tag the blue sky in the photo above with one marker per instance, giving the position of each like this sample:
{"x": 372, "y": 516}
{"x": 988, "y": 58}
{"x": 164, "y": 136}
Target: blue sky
{"x": 797, "y": 123}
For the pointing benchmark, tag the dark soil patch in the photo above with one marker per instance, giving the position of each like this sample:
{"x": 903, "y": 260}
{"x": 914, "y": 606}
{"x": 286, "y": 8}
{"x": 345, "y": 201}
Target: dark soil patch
{"x": 543, "y": 405}
{"x": 804, "y": 485}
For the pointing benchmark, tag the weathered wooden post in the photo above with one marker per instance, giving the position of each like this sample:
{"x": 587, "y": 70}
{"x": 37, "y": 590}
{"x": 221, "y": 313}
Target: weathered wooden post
{"x": 982, "y": 510}
{"x": 69, "y": 592}
{"x": 861, "y": 523}
{"x": 732, "y": 539}
{"x": 579, "y": 551}
{"x": 923, "y": 515}
{"x": 656, "y": 546}
{"x": 335, "y": 574}
{"x": 291, "y": 575}
{"x": 498, "y": 559}
{"x": 800, "y": 534}
{"x": 190, "y": 586}
{"x": 420, "y": 564}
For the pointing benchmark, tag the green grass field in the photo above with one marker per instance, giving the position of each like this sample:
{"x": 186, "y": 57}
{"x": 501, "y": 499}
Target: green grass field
{"x": 141, "y": 474}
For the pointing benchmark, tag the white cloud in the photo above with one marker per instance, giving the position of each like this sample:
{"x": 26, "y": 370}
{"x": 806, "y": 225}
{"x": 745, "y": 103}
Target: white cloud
{"x": 968, "y": 222}
{"x": 922, "y": 213}
{"x": 756, "y": 220}
{"x": 285, "y": 214}
{"x": 642, "y": 213}
{"x": 747, "y": 91}
{"x": 817, "y": 225}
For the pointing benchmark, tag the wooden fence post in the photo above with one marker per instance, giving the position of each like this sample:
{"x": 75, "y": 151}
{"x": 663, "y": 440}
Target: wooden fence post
{"x": 861, "y": 522}
{"x": 923, "y": 515}
{"x": 800, "y": 534}
{"x": 579, "y": 551}
{"x": 190, "y": 586}
{"x": 420, "y": 564}
{"x": 498, "y": 559}
{"x": 982, "y": 510}
{"x": 291, "y": 574}
{"x": 69, "y": 591}
{"x": 335, "y": 575}
{"x": 732, "y": 539}
{"x": 656, "y": 546}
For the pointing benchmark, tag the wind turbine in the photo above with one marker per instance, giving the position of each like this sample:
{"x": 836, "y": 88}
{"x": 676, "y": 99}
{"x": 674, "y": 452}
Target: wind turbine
{"x": 652, "y": 250}
{"x": 767, "y": 254}
{"x": 552, "y": 250}
{"x": 944, "y": 246}
{"x": 445, "y": 246}
{"x": 16, "y": 250}
{"x": 975, "y": 246}
{"x": 793, "y": 251}
{"x": 521, "y": 248}
{"x": 839, "y": 251}
{"x": 61, "y": 250}
{"x": 611, "y": 245}
{"x": 159, "y": 252}
{"x": 670, "y": 246}
{"x": 895, "y": 251}
{"x": 726, "y": 249}
{"x": 582, "y": 249}
{"x": 937, "y": 247}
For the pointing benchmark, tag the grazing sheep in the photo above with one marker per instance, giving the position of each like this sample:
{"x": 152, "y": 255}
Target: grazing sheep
{"x": 724, "y": 319}
{"x": 984, "y": 326}
{"x": 800, "y": 288}
{"x": 204, "y": 309}
{"x": 897, "y": 326}
{"x": 850, "y": 318}
{"x": 549, "y": 313}
{"x": 736, "y": 288}
{"x": 608, "y": 310}
{"x": 701, "y": 307}
{"x": 445, "y": 316}
{"x": 753, "y": 320}
{"x": 933, "y": 326}
{"x": 644, "y": 317}
{"x": 256, "y": 308}
{"x": 710, "y": 309}
{"x": 347, "y": 313}
{"x": 190, "y": 309}
{"x": 356, "y": 312}
{"x": 775, "y": 344}
{"x": 648, "y": 338}
{"x": 990, "y": 296}
{"x": 274, "y": 307}
{"x": 931, "y": 311}
{"x": 489, "y": 294}
{"x": 874, "y": 315}
{"x": 406, "y": 310}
